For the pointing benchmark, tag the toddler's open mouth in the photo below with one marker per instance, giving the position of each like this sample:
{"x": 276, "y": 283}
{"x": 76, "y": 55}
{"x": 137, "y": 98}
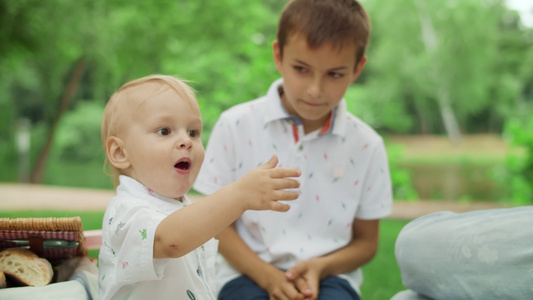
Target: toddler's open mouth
{"x": 183, "y": 165}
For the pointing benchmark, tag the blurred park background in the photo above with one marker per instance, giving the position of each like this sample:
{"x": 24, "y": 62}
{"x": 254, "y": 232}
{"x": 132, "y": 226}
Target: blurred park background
{"x": 448, "y": 83}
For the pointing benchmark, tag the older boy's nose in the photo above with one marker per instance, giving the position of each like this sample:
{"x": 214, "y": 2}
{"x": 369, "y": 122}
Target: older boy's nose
{"x": 315, "y": 88}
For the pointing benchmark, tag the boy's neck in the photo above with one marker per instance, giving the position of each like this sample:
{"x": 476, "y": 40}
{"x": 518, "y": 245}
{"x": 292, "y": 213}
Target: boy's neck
{"x": 308, "y": 125}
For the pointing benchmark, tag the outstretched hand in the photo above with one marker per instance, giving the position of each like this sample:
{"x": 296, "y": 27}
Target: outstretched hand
{"x": 262, "y": 187}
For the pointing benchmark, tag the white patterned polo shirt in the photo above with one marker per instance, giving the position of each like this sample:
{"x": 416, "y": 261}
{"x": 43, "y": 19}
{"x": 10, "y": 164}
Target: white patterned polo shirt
{"x": 345, "y": 175}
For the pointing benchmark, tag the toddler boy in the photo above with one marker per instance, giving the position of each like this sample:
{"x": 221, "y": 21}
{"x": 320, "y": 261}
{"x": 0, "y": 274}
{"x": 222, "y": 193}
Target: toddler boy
{"x": 156, "y": 244}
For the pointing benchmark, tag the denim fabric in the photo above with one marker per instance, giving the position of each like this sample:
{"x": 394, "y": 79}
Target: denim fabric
{"x": 243, "y": 288}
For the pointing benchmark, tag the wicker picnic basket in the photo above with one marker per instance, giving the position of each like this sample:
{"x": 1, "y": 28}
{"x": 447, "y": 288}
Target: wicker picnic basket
{"x": 38, "y": 230}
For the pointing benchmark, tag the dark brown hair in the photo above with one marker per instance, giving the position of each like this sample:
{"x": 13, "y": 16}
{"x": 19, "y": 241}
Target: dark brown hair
{"x": 339, "y": 22}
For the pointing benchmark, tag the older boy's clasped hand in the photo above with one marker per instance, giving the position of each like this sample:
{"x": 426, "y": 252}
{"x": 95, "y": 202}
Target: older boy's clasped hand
{"x": 279, "y": 287}
{"x": 264, "y": 186}
{"x": 306, "y": 276}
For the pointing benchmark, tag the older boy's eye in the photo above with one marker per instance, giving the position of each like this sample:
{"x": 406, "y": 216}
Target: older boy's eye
{"x": 164, "y": 131}
{"x": 336, "y": 75}
{"x": 300, "y": 69}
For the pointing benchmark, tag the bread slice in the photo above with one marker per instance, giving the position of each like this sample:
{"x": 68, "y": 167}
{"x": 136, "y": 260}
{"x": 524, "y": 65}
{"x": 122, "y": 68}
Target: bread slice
{"x": 26, "y": 267}
{"x": 2, "y": 279}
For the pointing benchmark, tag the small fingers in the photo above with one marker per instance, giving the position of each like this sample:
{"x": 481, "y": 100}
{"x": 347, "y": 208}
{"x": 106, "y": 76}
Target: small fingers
{"x": 285, "y": 183}
{"x": 277, "y": 206}
{"x": 286, "y": 195}
{"x": 285, "y": 172}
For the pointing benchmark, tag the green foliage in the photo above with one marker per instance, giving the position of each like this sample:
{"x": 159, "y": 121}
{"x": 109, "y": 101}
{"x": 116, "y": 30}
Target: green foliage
{"x": 481, "y": 63}
{"x": 8, "y": 145}
{"x": 77, "y": 158}
{"x": 428, "y": 59}
{"x": 402, "y": 185}
{"x": 39, "y": 132}
{"x": 368, "y": 104}
{"x": 8, "y": 150}
{"x": 519, "y": 174}
{"x": 77, "y": 174}
{"x": 223, "y": 47}
{"x": 78, "y": 135}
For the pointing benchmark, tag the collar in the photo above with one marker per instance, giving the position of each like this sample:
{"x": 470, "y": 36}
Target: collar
{"x": 134, "y": 188}
{"x": 336, "y": 124}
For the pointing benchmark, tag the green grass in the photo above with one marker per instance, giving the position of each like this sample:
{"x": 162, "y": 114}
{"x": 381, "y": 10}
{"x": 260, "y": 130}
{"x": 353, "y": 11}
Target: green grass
{"x": 468, "y": 159}
{"x": 381, "y": 276}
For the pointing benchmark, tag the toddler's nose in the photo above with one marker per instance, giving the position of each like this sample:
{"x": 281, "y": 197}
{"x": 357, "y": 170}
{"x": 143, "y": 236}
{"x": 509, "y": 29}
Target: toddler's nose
{"x": 185, "y": 145}
{"x": 185, "y": 142}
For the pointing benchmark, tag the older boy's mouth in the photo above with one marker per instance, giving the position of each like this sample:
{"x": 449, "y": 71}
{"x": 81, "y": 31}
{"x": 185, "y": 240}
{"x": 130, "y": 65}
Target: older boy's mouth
{"x": 183, "y": 165}
{"x": 312, "y": 104}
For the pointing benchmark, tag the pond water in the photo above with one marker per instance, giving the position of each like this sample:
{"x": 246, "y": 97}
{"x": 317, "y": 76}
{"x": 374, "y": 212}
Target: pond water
{"x": 455, "y": 181}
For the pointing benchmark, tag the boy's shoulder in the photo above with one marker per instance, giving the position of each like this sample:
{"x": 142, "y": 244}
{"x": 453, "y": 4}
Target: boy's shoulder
{"x": 356, "y": 126}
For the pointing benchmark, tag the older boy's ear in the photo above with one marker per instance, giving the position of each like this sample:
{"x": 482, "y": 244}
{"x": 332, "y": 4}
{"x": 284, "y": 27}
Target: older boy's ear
{"x": 276, "y": 51}
{"x": 116, "y": 153}
{"x": 359, "y": 68}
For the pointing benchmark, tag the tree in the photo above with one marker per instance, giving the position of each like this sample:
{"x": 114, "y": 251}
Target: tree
{"x": 49, "y": 48}
{"x": 433, "y": 62}
{"x": 38, "y": 51}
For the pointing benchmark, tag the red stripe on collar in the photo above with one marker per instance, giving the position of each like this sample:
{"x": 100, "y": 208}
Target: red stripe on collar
{"x": 328, "y": 126}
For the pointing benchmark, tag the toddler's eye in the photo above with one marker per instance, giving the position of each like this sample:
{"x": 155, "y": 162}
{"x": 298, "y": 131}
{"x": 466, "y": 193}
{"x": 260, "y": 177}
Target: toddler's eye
{"x": 193, "y": 133}
{"x": 164, "y": 131}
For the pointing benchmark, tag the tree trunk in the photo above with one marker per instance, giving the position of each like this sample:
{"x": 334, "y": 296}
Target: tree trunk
{"x": 443, "y": 95}
{"x": 448, "y": 116}
{"x": 37, "y": 173}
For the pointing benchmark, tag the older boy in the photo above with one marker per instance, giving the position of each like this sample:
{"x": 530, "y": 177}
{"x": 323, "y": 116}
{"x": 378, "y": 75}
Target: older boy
{"x": 317, "y": 248}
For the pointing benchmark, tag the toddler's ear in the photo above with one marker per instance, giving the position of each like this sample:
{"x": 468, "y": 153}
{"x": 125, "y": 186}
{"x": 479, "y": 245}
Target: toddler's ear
{"x": 116, "y": 153}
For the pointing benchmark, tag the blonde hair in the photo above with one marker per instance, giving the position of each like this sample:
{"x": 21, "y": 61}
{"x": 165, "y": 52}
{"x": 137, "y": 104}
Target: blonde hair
{"x": 135, "y": 91}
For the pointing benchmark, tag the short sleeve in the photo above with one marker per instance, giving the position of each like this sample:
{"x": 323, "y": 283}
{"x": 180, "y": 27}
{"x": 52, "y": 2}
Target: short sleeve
{"x": 130, "y": 244}
{"x": 376, "y": 202}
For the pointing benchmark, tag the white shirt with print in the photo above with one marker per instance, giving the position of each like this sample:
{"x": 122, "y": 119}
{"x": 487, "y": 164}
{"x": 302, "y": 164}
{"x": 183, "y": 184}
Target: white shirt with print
{"x": 345, "y": 175}
{"x": 127, "y": 269}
